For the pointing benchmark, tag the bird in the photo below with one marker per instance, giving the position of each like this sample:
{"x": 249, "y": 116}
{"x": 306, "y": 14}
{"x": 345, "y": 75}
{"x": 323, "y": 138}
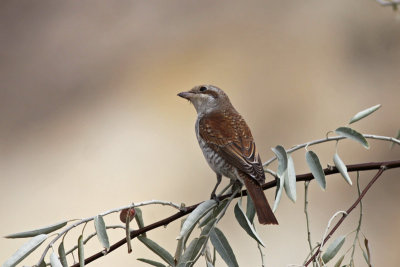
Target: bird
{"x": 228, "y": 145}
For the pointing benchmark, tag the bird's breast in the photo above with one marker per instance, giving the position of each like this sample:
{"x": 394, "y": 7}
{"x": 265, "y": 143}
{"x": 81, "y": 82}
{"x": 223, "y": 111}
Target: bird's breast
{"x": 217, "y": 163}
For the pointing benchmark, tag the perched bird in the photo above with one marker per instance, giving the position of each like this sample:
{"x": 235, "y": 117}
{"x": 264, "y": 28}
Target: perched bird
{"x": 228, "y": 145}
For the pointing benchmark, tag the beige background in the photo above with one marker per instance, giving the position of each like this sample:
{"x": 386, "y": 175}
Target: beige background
{"x": 90, "y": 120}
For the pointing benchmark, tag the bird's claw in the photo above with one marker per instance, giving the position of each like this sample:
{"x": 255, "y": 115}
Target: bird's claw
{"x": 215, "y": 197}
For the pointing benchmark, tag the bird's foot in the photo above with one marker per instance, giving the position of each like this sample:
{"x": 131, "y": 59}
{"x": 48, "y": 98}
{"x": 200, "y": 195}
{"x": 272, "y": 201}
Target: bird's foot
{"x": 215, "y": 197}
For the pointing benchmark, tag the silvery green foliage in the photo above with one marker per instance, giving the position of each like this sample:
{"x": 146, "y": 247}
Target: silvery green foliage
{"x": 316, "y": 168}
{"x": 206, "y": 217}
{"x": 25, "y": 250}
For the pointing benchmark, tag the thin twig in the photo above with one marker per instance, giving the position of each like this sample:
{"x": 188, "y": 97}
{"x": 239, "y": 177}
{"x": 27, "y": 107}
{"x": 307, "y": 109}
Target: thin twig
{"x": 344, "y": 213}
{"x": 333, "y": 138}
{"x": 377, "y": 175}
{"x": 359, "y": 222}
{"x": 272, "y": 184}
{"x": 306, "y": 183}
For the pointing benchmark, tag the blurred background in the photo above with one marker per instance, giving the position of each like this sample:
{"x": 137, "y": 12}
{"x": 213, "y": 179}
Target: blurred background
{"x": 90, "y": 120}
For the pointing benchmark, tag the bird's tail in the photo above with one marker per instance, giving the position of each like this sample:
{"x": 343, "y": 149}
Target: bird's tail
{"x": 264, "y": 212}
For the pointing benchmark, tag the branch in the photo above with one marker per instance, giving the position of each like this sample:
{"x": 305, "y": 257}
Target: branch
{"x": 301, "y": 177}
{"x": 333, "y": 138}
{"x": 86, "y": 220}
{"x": 377, "y": 175}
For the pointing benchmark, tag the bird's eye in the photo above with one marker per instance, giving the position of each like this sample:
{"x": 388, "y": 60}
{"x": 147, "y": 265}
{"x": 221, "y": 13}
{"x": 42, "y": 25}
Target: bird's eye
{"x": 202, "y": 89}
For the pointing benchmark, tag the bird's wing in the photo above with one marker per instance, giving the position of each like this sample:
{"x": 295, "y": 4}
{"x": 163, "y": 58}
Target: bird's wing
{"x": 229, "y": 135}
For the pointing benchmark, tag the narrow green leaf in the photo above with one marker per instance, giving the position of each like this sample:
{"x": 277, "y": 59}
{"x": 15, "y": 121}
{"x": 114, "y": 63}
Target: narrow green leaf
{"x": 368, "y": 251}
{"x": 25, "y": 250}
{"x": 43, "y": 230}
{"x": 81, "y": 252}
{"x": 63, "y": 257}
{"x": 221, "y": 244}
{"x": 339, "y": 262}
{"x": 290, "y": 180}
{"x": 43, "y": 264}
{"x": 279, "y": 188}
{"x": 316, "y": 168}
{"x": 250, "y": 209}
{"x": 190, "y": 252}
{"x": 342, "y": 168}
{"x": 196, "y": 215}
{"x": 128, "y": 231}
{"x": 333, "y": 249}
{"x": 179, "y": 246}
{"x": 365, "y": 257}
{"x": 362, "y": 114}
{"x": 281, "y": 154}
{"x": 352, "y": 134}
{"x": 213, "y": 213}
{"x": 54, "y": 261}
{"x": 157, "y": 249}
{"x": 139, "y": 219}
{"x": 196, "y": 245}
{"x": 101, "y": 231}
{"x": 151, "y": 262}
{"x": 246, "y": 224}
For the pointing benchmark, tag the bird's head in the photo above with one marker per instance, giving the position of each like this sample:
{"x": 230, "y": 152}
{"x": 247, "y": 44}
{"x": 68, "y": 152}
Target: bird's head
{"x": 206, "y": 98}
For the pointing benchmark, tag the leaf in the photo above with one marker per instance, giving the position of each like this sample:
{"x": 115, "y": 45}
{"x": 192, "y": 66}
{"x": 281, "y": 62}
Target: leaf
{"x": 81, "y": 252}
{"x": 342, "y": 168}
{"x": 154, "y": 263}
{"x": 195, "y": 246}
{"x": 352, "y": 134}
{"x": 279, "y": 189}
{"x": 316, "y": 168}
{"x": 191, "y": 251}
{"x": 250, "y": 209}
{"x": 139, "y": 219}
{"x": 221, "y": 244}
{"x": 368, "y": 251}
{"x": 290, "y": 180}
{"x": 43, "y": 264}
{"x": 362, "y": 114}
{"x": 337, "y": 264}
{"x": 61, "y": 253}
{"x": 209, "y": 264}
{"x": 25, "y": 250}
{"x": 157, "y": 249}
{"x": 213, "y": 213}
{"x": 281, "y": 154}
{"x": 196, "y": 215}
{"x": 333, "y": 249}
{"x": 101, "y": 231}
{"x": 207, "y": 229}
{"x": 128, "y": 219}
{"x": 43, "y": 230}
{"x": 179, "y": 246}
{"x": 246, "y": 224}
{"x": 54, "y": 261}
{"x": 365, "y": 257}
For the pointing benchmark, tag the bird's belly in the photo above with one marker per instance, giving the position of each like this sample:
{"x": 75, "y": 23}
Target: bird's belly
{"x": 217, "y": 163}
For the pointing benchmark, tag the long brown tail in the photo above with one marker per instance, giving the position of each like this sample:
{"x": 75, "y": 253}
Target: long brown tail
{"x": 264, "y": 212}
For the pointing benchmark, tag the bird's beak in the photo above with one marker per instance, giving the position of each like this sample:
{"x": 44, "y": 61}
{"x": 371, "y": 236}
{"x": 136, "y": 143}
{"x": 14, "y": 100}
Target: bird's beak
{"x": 186, "y": 95}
